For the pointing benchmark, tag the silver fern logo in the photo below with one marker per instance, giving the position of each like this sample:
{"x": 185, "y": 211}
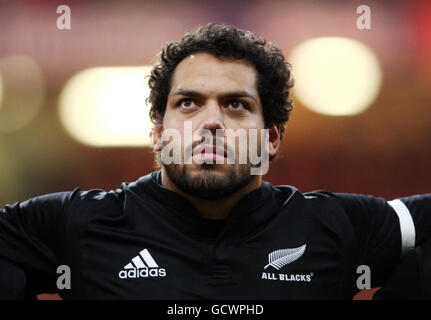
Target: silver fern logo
{"x": 279, "y": 258}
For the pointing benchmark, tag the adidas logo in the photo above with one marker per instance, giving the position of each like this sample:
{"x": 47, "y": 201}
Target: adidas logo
{"x": 142, "y": 266}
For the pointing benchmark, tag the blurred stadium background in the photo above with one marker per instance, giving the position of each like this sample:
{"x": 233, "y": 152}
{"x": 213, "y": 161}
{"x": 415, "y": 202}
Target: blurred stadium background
{"x": 72, "y": 110}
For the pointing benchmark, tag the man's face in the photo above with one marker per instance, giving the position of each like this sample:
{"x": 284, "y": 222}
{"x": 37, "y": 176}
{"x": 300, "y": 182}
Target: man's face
{"x": 213, "y": 94}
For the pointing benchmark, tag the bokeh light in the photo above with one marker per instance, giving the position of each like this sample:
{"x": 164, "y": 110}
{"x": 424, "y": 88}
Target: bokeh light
{"x": 23, "y": 92}
{"x": 335, "y": 76}
{"x": 105, "y": 106}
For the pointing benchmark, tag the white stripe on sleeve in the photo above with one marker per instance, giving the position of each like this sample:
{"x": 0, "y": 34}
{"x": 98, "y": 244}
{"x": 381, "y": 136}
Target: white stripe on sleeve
{"x": 408, "y": 232}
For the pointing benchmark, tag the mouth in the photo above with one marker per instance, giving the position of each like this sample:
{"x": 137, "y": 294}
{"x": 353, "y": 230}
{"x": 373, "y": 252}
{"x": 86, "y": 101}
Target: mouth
{"x": 209, "y": 153}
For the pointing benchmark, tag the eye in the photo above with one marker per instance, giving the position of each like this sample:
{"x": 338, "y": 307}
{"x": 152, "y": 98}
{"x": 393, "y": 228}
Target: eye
{"x": 237, "y": 105}
{"x": 186, "y": 103}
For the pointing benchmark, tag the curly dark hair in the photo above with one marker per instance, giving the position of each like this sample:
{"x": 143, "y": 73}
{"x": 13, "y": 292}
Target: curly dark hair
{"x": 274, "y": 76}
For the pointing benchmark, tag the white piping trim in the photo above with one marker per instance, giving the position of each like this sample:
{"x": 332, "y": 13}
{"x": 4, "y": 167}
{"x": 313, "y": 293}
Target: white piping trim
{"x": 407, "y": 226}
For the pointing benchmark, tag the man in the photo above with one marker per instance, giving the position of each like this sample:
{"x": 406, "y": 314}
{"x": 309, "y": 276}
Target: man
{"x": 206, "y": 226}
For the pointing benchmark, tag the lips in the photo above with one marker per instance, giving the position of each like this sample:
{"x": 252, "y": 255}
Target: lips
{"x": 210, "y": 150}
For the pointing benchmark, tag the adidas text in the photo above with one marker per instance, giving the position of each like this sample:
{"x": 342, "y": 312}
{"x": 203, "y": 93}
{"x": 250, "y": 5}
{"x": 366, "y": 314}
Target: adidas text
{"x": 142, "y": 273}
{"x": 142, "y": 266}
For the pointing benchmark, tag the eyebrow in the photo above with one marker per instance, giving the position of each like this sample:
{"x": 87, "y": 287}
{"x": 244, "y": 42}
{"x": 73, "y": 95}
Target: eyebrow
{"x": 233, "y": 94}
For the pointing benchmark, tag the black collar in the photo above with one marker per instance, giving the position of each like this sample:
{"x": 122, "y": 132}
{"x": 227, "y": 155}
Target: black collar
{"x": 248, "y": 215}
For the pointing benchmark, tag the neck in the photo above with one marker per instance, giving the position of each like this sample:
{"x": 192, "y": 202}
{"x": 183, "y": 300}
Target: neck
{"x": 213, "y": 209}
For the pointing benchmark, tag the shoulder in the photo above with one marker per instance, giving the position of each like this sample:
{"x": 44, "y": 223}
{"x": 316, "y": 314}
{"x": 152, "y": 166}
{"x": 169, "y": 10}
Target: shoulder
{"x": 94, "y": 196}
{"x": 98, "y": 201}
{"x": 314, "y": 198}
{"x": 347, "y": 201}
{"x": 319, "y": 205}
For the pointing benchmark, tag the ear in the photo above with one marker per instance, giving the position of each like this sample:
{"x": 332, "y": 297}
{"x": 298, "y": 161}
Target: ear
{"x": 274, "y": 140}
{"x": 156, "y": 136}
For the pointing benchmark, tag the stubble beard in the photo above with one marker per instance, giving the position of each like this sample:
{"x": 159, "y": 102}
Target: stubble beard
{"x": 207, "y": 183}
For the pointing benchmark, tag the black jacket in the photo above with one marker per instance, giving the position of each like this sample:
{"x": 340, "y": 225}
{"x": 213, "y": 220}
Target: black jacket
{"x": 143, "y": 241}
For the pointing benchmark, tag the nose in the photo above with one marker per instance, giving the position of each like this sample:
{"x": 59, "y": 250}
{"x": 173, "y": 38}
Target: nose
{"x": 212, "y": 117}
